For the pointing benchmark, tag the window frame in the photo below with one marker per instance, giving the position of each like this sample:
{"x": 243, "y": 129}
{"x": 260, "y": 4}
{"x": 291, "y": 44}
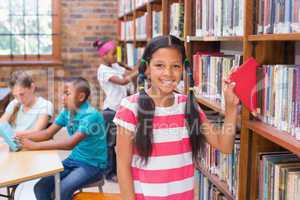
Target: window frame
{"x": 31, "y": 60}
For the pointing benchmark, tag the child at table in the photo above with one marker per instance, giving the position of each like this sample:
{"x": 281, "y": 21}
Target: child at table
{"x": 27, "y": 112}
{"x": 87, "y": 140}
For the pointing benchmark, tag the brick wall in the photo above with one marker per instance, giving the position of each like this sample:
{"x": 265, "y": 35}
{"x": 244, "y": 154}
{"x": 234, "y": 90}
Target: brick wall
{"x": 82, "y": 22}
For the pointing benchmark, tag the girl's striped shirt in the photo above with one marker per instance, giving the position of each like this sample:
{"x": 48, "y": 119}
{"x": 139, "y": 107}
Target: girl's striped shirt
{"x": 169, "y": 173}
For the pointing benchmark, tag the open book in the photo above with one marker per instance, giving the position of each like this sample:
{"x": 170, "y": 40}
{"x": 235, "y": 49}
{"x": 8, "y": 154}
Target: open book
{"x": 6, "y": 132}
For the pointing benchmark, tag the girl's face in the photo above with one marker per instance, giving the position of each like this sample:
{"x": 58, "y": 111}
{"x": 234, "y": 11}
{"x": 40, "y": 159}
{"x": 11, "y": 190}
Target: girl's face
{"x": 111, "y": 56}
{"x": 24, "y": 95}
{"x": 70, "y": 97}
{"x": 164, "y": 70}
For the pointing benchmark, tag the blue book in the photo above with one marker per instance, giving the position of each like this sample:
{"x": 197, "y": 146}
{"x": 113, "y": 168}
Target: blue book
{"x": 7, "y": 133}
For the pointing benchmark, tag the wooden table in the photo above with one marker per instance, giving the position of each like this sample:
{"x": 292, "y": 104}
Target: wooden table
{"x": 22, "y": 166}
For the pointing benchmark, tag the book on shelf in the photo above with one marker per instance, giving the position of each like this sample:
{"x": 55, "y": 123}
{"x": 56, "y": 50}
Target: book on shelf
{"x": 156, "y": 23}
{"x": 207, "y": 190}
{"x": 219, "y": 18}
{"x": 245, "y": 78}
{"x": 210, "y": 69}
{"x": 177, "y": 19}
{"x": 279, "y": 97}
{"x": 140, "y": 28}
{"x": 277, "y": 16}
{"x": 277, "y": 172}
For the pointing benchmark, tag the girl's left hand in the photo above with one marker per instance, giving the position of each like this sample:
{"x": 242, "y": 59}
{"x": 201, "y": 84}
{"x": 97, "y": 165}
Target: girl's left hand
{"x": 28, "y": 144}
{"x": 231, "y": 100}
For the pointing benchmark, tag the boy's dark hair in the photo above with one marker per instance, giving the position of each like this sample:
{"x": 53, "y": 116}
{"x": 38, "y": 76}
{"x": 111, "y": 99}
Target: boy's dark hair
{"x": 146, "y": 106}
{"x": 81, "y": 85}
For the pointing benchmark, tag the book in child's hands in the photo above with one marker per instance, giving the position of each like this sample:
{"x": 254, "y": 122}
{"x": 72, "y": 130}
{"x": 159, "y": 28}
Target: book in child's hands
{"x": 245, "y": 79}
{"x": 7, "y": 133}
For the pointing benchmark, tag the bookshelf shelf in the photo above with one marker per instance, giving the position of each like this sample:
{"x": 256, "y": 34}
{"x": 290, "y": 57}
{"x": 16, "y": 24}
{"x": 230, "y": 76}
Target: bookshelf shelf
{"x": 155, "y": 1}
{"x": 142, "y": 8}
{"x": 222, "y": 186}
{"x": 279, "y": 137}
{"x": 275, "y": 37}
{"x": 216, "y": 106}
{"x": 214, "y": 39}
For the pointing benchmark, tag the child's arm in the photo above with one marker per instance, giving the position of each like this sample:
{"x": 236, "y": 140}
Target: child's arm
{"x": 223, "y": 138}
{"x": 124, "y": 148}
{"x": 5, "y": 117}
{"x": 41, "y": 135}
{"x": 66, "y": 144}
{"x": 127, "y": 77}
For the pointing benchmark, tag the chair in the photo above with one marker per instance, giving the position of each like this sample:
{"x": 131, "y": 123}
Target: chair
{"x": 10, "y": 192}
{"x": 96, "y": 196}
{"x": 98, "y": 184}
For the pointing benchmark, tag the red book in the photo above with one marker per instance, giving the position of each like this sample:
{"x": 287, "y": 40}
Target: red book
{"x": 245, "y": 79}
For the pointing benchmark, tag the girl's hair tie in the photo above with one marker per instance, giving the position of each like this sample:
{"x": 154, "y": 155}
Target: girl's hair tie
{"x": 191, "y": 88}
{"x": 186, "y": 61}
{"x": 143, "y": 61}
{"x": 141, "y": 88}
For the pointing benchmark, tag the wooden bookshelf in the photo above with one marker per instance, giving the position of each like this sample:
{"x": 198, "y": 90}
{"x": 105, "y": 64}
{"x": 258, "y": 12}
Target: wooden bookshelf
{"x": 255, "y": 136}
{"x": 281, "y": 138}
{"x": 275, "y": 37}
{"x": 214, "y": 39}
{"x": 221, "y": 185}
{"x": 216, "y": 106}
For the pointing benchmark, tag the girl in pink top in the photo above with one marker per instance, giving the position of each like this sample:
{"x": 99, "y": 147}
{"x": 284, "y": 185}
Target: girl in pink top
{"x": 159, "y": 135}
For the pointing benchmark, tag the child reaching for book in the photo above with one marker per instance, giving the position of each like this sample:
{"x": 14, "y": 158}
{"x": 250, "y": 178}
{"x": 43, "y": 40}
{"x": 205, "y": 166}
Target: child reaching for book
{"x": 87, "y": 140}
{"x": 113, "y": 79}
{"x": 27, "y": 112}
{"x": 160, "y": 133}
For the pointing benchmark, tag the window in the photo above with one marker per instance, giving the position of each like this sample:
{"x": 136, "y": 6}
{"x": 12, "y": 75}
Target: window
{"x": 29, "y": 30}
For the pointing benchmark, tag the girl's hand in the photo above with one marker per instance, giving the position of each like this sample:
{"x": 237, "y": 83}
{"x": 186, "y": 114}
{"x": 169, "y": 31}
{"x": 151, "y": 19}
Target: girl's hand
{"x": 231, "y": 100}
{"x": 28, "y": 144}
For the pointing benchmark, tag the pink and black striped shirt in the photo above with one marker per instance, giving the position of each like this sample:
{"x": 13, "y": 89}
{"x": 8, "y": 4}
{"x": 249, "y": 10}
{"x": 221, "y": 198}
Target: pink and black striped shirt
{"x": 169, "y": 173}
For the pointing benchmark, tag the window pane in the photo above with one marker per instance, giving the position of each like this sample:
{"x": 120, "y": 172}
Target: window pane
{"x": 4, "y": 8}
{"x": 46, "y": 44}
{"x": 45, "y": 7}
{"x": 18, "y": 45}
{"x": 31, "y": 25}
{"x": 17, "y": 24}
{"x": 5, "y": 45}
{"x": 4, "y": 24}
{"x": 16, "y": 7}
{"x": 31, "y": 45}
{"x": 30, "y": 7}
{"x": 45, "y": 24}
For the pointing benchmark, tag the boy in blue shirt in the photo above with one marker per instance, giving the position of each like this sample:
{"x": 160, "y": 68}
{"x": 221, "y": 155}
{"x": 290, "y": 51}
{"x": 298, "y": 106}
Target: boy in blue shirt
{"x": 87, "y": 140}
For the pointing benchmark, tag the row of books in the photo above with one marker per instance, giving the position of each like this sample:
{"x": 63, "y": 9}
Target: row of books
{"x": 279, "y": 97}
{"x": 277, "y": 16}
{"x": 224, "y": 166}
{"x": 156, "y": 23}
{"x": 129, "y": 54}
{"x": 177, "y": 19}
{"x": 210, "y": 69}
{"x": 208, "y": 191}
{"x": 126, "y": 30}
{"x": 219, "y": 17}
{"x": 279, "y": 176}
{"x": 140, "y": 28}
{"x": 125, "y": 6}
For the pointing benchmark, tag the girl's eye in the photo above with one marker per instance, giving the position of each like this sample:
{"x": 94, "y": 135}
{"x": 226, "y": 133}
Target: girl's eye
{"x": 177, "y": 66}
{"x": 158, "y": 65}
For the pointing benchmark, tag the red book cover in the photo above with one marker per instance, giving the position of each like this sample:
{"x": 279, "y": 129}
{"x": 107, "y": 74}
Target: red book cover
{"x": 245, "y": 79}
